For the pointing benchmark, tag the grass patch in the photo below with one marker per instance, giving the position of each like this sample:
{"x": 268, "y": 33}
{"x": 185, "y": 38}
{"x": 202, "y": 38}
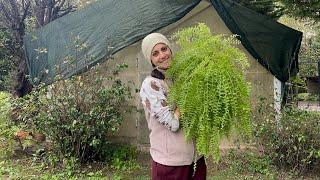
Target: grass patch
{"x": 123, "y": 165}
{"x": 234, "y": 164}
{"x": 243, "y": 165}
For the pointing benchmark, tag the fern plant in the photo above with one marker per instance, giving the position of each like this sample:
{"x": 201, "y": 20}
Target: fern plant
{"x": 209, "y": 87}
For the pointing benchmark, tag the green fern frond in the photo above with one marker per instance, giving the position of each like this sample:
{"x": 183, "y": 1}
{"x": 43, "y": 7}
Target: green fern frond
{"x": 209, "y": 87}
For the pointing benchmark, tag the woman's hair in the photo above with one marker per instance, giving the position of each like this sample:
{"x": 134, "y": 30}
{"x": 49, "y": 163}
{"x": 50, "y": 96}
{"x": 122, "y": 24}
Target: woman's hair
{"x": 157, "y": 74}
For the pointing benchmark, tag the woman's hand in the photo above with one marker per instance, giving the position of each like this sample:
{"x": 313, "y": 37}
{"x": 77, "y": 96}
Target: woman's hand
{"x": 177, "y": 112}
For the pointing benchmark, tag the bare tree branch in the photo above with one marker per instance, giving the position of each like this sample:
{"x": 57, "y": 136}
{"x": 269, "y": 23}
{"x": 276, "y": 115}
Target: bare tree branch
{"x": 7, "y": 17}
{"x": 67, "y": 11}
{"x": 39, "y": 12}
{"x": 60, "y": 3}
{"x": 26, "y": 11}
{"x": 15, "y": 10}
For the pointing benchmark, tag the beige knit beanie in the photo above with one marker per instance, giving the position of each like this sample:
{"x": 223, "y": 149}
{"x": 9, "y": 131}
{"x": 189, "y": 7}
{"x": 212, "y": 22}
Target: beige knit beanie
{"x": 150, "y": 41}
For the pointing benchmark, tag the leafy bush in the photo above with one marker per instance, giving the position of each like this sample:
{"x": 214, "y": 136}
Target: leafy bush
{"x": 307, "y": 97}
{"x": 7, "y": 127}
{"x": 309, "y": 56}
{"x": 4, "y": 107}
{"x": 76, "y": 114}
{"x": 293, "y": 141}
{"x": 209, "y": 87}
{"x": 8, "y": 60}
{"x": 249, "y": 162}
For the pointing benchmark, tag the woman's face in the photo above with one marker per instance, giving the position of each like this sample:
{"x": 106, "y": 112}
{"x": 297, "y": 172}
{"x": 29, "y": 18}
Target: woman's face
{"x": 161, "y": 56}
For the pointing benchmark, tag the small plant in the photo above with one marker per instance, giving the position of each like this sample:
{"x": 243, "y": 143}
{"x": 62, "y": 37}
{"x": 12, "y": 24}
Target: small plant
{"x": 209, "y": 87}
{"x": 7, "y": 170}
{"x": 122, "y": 157}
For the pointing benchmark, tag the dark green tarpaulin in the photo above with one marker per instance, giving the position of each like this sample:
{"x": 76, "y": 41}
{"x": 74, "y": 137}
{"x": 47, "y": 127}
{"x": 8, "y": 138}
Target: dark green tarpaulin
{"x": 74, "y": 43}
{"x": 274, "y": 45}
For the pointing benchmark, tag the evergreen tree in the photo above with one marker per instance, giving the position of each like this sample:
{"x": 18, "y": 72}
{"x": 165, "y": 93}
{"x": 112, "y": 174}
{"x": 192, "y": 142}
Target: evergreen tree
{"x": 302, "y": 8}
{"x": 266, "y": 7}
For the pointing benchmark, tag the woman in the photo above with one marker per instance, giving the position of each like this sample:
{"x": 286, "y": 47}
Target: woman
{"x": 172, "y": 156}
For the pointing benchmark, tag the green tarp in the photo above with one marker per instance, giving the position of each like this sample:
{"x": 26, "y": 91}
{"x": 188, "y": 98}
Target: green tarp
{"x": 274, "y": 45}
{"x": 74, "y": 43}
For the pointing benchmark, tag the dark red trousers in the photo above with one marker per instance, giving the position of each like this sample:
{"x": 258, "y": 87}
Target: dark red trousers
{"x": 162, "y": 172}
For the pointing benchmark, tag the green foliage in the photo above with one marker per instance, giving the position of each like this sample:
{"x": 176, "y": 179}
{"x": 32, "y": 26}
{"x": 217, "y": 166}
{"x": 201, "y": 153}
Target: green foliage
{"x": 7, "y": 60}
{"x": 7, "y": 128}
{"x": 209, "y": 87}
{"x": 122, "y": 165}
{"x": 266, "y": 7}
{"x": 302, "y": 9}
{"x": 293, "y": 141}
{"x": 249, "y": 162}
{"x": 307, "y": 97}
{"x": 295, "y": 86}
{"x": 4, "y": 170}
{"x": 76, "y": 114}
{"x": 122, "y": 157}
{"x": 309, "y": 57}
{"x": 4, "y": 107}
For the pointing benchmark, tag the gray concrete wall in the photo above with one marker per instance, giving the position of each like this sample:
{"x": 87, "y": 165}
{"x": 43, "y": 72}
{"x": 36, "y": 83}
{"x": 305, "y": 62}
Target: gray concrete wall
{"x": 134, "y": 129}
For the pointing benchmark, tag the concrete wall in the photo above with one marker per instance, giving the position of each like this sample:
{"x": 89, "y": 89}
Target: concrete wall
{"x": 134, "y": 129}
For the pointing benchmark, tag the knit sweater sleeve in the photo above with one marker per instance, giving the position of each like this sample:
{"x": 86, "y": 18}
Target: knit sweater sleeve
{"x": 153, "y": 97}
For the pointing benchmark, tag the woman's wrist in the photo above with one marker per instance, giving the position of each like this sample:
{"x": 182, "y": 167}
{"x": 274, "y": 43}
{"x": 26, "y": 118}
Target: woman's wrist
{"x": 177, "y": 113}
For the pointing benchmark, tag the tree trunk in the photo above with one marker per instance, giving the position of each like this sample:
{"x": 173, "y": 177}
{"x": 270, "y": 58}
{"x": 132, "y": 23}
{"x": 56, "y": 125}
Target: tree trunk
{"x": 22, "y": 85}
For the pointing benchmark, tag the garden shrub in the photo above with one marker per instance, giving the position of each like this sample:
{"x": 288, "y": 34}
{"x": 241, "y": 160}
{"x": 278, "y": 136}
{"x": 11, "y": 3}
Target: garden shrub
{"x": 249, "y": 161}
{"x": 307, "y": 97}
{"x": 309, "y": 56}
{"x": 292, "y": 141}
{"x": 7, "y": 127}
{"x": 76, "y": 114}
{"x": 8, "y": 60}
{"x": 4, "y": 108}
{"x": 209, "y": 87}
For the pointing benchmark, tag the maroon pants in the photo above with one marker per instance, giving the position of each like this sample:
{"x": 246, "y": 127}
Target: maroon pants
{"x": 162, "y": 172}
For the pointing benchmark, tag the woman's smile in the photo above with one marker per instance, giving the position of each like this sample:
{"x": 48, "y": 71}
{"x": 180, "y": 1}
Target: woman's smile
{"x": 161, "y": 56}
